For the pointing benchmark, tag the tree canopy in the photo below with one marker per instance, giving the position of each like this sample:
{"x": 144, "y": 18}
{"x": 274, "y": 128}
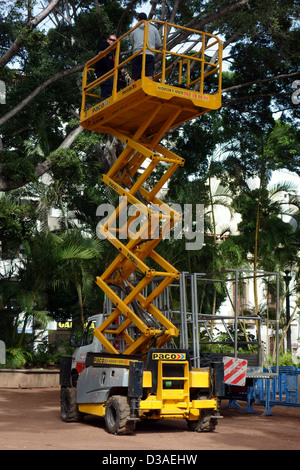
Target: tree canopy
{"x": 43, "y": 50}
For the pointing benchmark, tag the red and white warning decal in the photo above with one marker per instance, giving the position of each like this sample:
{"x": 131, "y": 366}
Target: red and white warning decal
{"x": 235, "y": 371}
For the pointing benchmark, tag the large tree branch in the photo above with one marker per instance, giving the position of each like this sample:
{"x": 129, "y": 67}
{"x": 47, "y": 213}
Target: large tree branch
{"x": 198, "y": 22}
{"x": 7, "y": 185}
{"x": 30, "y": 25}
{"x": 263, "y": 80}
{"x": 228, "y": 102}
{"x": 38, "y": 90}
{"x": 46, "y": 165}
{"x": 124, "y": 14}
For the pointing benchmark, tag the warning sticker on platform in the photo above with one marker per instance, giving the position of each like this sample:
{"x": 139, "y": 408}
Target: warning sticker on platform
{"x": 184, "y": 93}
{"x": 235, "y": 371}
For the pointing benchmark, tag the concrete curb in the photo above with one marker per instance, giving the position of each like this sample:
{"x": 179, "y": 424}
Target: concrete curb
{"x": 19, "y": 378}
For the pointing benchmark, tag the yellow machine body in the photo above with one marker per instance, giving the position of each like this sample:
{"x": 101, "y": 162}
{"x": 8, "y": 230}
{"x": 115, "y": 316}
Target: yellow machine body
{"x": 187, "y": 85}
{"x": 168, "y": 402}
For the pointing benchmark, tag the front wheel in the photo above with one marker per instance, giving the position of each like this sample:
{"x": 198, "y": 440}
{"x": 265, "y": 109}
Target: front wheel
{"x": 206, "y": 423}
{"x": 117, "y": 416}
{"x": 68, "y": 405}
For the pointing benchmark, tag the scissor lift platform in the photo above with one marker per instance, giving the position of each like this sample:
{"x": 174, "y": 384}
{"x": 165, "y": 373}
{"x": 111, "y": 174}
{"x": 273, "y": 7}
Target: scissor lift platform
{"x": 186, "y": 85}
{"x": 148, "y": 98}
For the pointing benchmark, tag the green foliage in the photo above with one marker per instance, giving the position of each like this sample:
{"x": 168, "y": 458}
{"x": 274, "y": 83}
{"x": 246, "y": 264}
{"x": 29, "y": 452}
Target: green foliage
{"x": 49, "y": 355}
{"x": 16, "y": 358}
{"x": 282, "y": 149}
{"x": 221, "y": 337}
{"x": 43, "y": 357}
{"x": 17, "y": 168}
{"x": 54, "y": 267}
{"x": 284, "y": 359}
{"x": 17, "y": 221}
{"x": 66, "y": 166}
{"x": 239, "y": 141}
{"x": 276, "y": 238}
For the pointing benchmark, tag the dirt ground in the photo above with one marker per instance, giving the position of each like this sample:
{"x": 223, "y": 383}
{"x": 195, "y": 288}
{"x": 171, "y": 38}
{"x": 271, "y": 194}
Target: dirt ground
{"x": 30, "y": 420}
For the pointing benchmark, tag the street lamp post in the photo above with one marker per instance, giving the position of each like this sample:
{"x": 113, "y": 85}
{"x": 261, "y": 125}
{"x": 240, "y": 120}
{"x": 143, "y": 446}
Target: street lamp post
{"x": 287, "y": 309}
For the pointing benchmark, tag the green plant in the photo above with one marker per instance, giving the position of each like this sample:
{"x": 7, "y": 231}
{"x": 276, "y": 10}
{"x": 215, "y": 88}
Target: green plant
{"x": 284, "y": 359}
{"x": 16, "y": 358}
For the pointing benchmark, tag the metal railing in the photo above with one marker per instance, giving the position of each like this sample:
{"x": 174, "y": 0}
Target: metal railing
{"x": 190, "y": 64}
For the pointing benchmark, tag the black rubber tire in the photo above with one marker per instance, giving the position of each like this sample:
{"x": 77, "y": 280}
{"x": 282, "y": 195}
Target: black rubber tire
{"x": 204, "y": 424}
{"x": 117, "y": 416}
{"x": 68, "y": 405}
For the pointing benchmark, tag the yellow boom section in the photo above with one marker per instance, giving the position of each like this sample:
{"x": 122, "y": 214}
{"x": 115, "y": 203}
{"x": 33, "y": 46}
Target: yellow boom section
{"x": 186, "y": 85}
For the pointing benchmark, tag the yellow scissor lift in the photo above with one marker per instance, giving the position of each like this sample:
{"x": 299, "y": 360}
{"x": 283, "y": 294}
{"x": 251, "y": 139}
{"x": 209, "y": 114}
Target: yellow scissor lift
{"x": 186, "y": 85}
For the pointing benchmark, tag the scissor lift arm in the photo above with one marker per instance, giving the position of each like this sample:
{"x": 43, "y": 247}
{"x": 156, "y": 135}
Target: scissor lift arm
{"x": 139, "y": 116}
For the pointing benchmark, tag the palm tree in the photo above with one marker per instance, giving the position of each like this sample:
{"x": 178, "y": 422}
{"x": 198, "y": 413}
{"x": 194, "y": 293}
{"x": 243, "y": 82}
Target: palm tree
{"x": 49, "y": 261}
{"x": 264, "y": 234}
{"x": 75, "y": 254}
{"x": 30, "y": 290}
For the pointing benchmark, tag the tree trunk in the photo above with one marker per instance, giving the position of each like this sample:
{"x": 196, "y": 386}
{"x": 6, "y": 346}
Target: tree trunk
{"x": 23, "y": 330}
{"x": 79, "y": 292}
{"x": 255, "y": 258}
{"x": 38, "y": 90}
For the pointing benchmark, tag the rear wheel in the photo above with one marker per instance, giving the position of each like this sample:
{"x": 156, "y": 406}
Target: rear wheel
{"x": 117, "y": 416}
{"x": 68, "y": 405}
{"x": 206, "y": 422}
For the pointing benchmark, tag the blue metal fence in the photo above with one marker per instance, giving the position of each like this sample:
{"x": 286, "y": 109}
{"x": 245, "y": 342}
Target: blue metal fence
{"x": 285, "y": 386}
{"x": 280, "y": 390}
